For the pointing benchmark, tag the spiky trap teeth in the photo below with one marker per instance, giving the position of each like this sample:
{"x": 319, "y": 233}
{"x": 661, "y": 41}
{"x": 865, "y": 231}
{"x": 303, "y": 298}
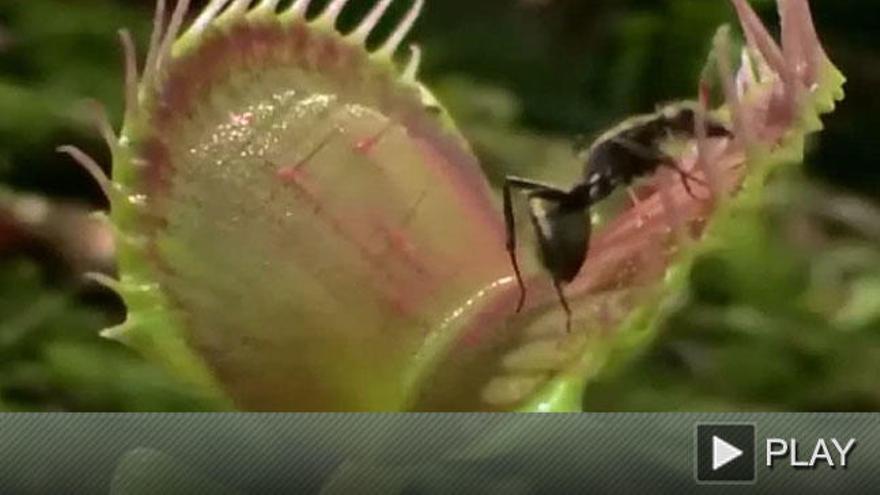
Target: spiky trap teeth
{"x": 297, "y": 230}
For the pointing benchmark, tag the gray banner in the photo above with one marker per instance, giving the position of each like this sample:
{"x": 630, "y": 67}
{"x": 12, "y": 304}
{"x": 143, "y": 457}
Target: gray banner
{"x": 421, "y": 453}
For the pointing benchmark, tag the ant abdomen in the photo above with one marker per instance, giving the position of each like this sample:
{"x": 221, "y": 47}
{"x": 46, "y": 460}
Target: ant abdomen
{"x": 563, "y": 233}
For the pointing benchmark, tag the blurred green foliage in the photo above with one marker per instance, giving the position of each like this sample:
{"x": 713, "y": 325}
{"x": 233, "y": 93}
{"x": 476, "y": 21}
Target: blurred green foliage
{"x": 771, "y": 323}
{"x": 51, "y": 357}
{"x": 787, "y": 317}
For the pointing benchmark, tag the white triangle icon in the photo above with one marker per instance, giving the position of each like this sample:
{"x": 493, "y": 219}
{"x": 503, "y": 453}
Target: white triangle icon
{"x": 723, "y": 453}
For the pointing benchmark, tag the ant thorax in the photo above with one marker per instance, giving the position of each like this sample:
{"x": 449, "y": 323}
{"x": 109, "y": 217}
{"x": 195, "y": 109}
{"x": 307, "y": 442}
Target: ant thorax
{"x": 636, "y": 147}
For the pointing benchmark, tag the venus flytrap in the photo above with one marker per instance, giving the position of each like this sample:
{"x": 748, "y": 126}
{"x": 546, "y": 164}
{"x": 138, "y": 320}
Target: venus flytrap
{"x": 301, "y": 227}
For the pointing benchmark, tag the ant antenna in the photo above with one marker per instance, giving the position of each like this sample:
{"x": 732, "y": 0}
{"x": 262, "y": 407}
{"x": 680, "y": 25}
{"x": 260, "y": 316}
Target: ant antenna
{"x": 560, "y": 292}
{"x": 686, "y": 177}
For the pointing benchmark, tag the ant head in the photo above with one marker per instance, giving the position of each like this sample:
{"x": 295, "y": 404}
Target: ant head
{"x": 563, "y": 232}
{"x": 714, "y": 128}
{"x": 681, "y": 117}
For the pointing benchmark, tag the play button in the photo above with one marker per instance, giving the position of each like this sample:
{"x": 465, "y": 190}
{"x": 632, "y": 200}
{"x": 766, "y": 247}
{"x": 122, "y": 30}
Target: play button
{"x": 723, "y": 453}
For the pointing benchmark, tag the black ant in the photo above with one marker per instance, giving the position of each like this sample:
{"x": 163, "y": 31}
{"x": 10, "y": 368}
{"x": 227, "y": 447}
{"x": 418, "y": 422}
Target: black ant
{"x": 560, "y": 218}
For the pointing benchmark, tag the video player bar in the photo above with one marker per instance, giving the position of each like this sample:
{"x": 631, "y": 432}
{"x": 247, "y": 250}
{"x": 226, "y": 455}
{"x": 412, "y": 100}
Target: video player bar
{"x": 436, "y": 453}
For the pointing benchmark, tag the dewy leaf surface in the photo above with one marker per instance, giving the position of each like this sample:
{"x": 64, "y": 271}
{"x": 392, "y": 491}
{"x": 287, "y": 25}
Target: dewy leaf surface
{"x": 301, "y": 227}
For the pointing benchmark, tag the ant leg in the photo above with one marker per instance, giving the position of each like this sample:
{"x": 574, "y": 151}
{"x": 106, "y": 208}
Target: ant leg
{"x": 646, "y": 153}
{"x": 562, "y": 300}
{"x": 684, "y": 181}
{"x": 637, "y": 205}
{"x": 511, "y": 183}
{"x": 510, "y": 228}
{"x": 685, "y": 177}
